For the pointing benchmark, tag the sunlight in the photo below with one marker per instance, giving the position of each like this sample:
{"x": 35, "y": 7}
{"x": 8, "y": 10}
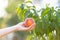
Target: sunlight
{"x": 42, "y": 3}
{"x": 3, "y": 5}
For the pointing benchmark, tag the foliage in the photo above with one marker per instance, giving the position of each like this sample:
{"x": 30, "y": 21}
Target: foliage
{"x": 48, "y": 21}
{"x": 12, "y": 5}
{"x": 11, "y": 12}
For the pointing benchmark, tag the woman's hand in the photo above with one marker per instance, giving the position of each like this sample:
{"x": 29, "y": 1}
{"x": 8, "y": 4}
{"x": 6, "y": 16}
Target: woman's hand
{"x": 21, "y": 27}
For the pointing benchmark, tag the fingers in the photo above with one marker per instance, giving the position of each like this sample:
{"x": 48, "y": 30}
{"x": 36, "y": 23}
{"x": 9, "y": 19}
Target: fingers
{"x": 23, "y": 28}
{"x": 31, "y": 27}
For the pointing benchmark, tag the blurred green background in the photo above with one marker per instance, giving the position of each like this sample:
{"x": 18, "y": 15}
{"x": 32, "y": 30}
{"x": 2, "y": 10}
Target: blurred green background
{"x": 44, "y": 32}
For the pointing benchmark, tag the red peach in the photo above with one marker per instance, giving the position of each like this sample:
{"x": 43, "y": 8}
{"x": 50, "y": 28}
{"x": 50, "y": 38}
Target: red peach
{"x": 29, "y": 22}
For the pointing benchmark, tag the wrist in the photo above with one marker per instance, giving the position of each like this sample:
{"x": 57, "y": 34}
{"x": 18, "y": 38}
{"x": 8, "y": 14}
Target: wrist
{"x": 16, "y": 27}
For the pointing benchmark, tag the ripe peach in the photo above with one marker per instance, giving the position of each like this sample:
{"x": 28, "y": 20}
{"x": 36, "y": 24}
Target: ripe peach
{"x": 29, "y": 22}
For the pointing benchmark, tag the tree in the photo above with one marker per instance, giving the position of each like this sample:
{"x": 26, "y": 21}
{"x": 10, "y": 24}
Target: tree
{"x": 48, "y": 21}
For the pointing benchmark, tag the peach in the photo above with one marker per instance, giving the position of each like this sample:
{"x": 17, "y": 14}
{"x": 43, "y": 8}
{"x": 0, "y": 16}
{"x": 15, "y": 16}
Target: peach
{"x": 29, "y": 22}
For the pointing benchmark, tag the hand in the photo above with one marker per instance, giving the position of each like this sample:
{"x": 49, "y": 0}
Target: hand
{"x": 21, "y": 27}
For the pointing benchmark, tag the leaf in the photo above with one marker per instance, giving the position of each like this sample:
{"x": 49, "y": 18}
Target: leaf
{"x": 45, "y": 11}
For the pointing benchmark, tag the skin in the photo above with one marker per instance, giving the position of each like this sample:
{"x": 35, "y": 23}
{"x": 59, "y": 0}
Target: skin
{"x": 17, "y": 27}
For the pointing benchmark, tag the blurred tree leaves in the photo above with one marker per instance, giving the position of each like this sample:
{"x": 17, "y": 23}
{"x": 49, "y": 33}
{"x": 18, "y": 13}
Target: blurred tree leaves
{"x": 46, "y": 23}
{"x": 11, "y": 10}
{"x": 2, "y": 22}
{"x": 12, "y": 5}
